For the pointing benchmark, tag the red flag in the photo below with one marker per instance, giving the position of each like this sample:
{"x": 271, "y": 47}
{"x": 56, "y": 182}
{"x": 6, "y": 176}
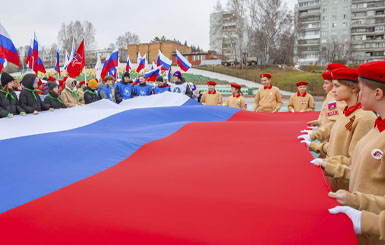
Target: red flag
{"x": 77, "y": 63}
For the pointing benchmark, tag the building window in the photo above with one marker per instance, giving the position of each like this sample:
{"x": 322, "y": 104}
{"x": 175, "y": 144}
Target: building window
{"x": 334, "y": 25}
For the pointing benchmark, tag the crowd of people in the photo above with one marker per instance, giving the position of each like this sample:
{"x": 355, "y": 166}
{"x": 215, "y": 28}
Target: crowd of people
{"x": 350, "y": 140}
{"x": 69, "y": 93}
{"x": 348, "y": 135}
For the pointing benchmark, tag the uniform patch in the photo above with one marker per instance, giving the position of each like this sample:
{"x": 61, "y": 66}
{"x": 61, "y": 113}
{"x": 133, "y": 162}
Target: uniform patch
{"x": 332, "y": 105}
{"x": 303, "y": 102}
{"x": 332, "y": 113}
{"x": 377, "y": 154}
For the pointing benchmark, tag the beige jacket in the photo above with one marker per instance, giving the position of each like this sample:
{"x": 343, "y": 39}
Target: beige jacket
{"x": 268, "y": 100}
{"x": 236, "y": 102}
{"x": 300, "y": 103}
{"x": 211, "y": 99}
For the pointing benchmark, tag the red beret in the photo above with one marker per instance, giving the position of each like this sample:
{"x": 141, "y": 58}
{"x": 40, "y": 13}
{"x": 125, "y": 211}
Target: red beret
{"x": 374, "y": 71}
{"x": 302, "y": 83}
{"x": 82, "y": 82}
{"x": 236, "y": 86}
{"x": 350, "y": 74}
{"x": 51, "y": 79}
{"x": 266, "y": 75}
{"x": 62, "y": 87}
{"x": 61, "y": 82}
{"x": 211, "y": 83}
{"x": 332, "y": 67}
{"x": 327, "y": 75}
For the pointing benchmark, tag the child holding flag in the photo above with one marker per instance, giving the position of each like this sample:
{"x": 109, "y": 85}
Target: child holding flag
{"x": 52, "y": 99}
{"x": 106, "y": 91}
{"x": 143, "y": 89}
{"x": 90, "y": 92}
{"x": 180, "y": 85}
{"x": 211, "y": 97}
{"x": 123, "y": 90}
{"x": 301, "y": 101}
{"x": 9, "y": 104}
{"x": 80, "y": 91}
{"x": 348, "y": 129}
{"x": 162, "y": 86}
{"x": 68, "y": 95}
{"x": 236, "y": 100}
{"x": 367, "y": 175}
{"x": 29, "y": 99}
{"x": 268, "y": 98}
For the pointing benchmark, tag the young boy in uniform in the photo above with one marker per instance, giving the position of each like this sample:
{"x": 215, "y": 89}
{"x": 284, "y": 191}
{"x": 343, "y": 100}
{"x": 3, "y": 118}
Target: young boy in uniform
{"x": 268, "y": 98}
{"x": 367, "y": 175}
{"x": 302, "y": 101}
{"x": 236, "y": 100}
{"x": 143, "y": 89}
{"x": 211, "y": 97}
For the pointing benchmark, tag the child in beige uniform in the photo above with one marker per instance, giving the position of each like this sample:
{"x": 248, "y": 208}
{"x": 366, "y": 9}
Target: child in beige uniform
{"x": 211, "y": 97}
{"x": 268, "y": 98}
{"x": 348, "y": 129}
{"x": 367, "y": 175}
{"x": 301, "y": 101}
{"x": 236, "y": 100}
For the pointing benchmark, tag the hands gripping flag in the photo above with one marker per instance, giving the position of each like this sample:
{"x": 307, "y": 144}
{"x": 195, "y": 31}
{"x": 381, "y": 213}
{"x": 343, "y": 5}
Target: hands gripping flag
{"x": 183, "y": 62}
{"x": 77, "y": 63}
{"x": 7, "y": 49}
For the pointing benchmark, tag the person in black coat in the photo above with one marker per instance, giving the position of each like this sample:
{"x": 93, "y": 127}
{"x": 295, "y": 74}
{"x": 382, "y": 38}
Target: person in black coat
{"x": 29, "y": 99}
{"x": 52, "y": 99}
{"x": 9, "y": 104}
{"x": 90, "y": 94}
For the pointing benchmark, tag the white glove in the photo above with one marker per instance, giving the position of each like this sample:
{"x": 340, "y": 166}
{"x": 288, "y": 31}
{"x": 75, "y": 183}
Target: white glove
{"x": 306, "y": 142}
{"x": 292, "y": 111}
{"x": 313, "y": 127}
{"x": 307, "y": 131}
{"x": 317, "y": 161}
{"x": 352, "y": 213}
{"x": 305, "y": 137}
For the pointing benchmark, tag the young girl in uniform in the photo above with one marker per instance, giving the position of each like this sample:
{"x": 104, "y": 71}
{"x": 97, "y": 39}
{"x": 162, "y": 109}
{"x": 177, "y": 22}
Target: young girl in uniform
{"x": 268, "y": 98}
{"x": 236, "y": 100}
{"x": 301, "y": 101}
{"x": 367, "y": 174}
{"x": 348, "y": 129}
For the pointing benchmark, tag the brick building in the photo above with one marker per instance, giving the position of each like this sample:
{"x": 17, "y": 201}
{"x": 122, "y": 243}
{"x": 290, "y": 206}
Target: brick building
{"x": 152, "y": 49}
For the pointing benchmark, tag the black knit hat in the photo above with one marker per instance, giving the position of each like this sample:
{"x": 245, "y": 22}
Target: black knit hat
{"x": 6, "y": 78}
{"x": 159, "y": 79}
{"x": 52, "y": 85}
{"x": 126, "y": 74}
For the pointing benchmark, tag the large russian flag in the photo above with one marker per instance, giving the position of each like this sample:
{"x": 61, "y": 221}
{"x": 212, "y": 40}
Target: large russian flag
{"x": 163, "y": 170}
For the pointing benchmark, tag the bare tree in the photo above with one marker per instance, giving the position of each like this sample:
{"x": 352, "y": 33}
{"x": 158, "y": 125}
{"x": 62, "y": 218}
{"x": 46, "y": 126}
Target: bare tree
{"x": 336, "y": 51}
{"x": 270, "y": 20}
{"x": 77, "y": 31}
{"x": 126, "y": 39}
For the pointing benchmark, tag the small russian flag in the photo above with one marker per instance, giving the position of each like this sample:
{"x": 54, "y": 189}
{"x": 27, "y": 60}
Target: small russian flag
{"x": 128, "y": 65}
{"x": 332, "y": 105}
{"x": 153, "y": 74}
{"x": 183, "y": 62}
{"x": 57, "y": 66}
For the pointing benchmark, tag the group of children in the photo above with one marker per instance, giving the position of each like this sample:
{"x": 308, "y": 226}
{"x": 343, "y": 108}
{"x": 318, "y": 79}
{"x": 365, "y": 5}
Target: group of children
{"x": 349, "y": 136}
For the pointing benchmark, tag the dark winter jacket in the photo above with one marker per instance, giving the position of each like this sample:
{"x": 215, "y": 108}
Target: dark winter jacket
{"x": 9, "y": 104}
{"x": 52, "y": 100}
{"x": 90, "y": 96}
{"x": 29, "y": 99}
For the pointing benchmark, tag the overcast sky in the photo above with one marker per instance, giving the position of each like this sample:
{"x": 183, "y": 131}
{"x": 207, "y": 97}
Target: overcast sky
{"x": 181, "y": 19}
